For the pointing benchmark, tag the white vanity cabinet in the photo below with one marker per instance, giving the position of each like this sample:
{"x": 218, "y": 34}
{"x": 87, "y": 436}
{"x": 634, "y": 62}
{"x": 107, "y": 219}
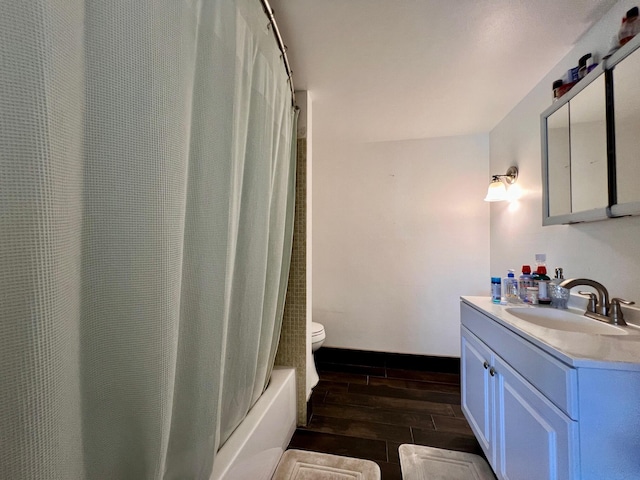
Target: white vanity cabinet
{"x": 537, "y": 417}
{"x": 523, "y": 434}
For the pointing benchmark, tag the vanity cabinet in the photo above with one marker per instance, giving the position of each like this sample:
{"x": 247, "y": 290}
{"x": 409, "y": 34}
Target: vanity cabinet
{"x": 537, "y": 417}
{"x": 524, "y": 436}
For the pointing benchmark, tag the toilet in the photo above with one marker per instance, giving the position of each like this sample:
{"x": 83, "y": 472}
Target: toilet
{"x": 317, "y": 336}
{"x": 317, "y": 339}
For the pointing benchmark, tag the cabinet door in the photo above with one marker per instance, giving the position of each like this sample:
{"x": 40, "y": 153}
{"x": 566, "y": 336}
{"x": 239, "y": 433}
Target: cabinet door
{"x": 477, "y": 394}
{"x": 535, "y": 440}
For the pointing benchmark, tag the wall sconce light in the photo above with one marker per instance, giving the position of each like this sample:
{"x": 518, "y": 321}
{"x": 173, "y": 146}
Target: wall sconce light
{"x": 497, "y": 191}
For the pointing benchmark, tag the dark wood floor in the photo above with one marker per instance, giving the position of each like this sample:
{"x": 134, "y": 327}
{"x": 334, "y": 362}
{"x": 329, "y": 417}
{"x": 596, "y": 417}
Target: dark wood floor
{"x": 368, "y": 403}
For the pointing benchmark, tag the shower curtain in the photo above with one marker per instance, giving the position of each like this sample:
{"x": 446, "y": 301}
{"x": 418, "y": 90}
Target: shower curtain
{"x": 146, "y": 201}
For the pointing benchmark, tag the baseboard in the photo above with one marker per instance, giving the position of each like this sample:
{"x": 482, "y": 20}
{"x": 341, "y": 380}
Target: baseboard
{"x": 365, "y": 358}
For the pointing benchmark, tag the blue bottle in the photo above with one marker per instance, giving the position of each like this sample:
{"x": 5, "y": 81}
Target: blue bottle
{"x": 495, "y": 289}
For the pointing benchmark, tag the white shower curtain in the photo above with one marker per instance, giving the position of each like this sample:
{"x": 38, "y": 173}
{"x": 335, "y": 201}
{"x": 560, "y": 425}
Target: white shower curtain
{"x": 146, "y": 201}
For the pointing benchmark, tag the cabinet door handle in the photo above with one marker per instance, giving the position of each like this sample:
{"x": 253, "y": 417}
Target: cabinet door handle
{"x": 492, "y": 371}
{"x": 485, "y": 365}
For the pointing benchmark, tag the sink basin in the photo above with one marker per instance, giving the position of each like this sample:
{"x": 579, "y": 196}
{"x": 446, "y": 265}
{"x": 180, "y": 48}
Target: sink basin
{"x": 565, "y": 320}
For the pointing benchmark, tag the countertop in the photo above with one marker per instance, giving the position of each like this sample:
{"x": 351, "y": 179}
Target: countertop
{"x": 577, "y": 349}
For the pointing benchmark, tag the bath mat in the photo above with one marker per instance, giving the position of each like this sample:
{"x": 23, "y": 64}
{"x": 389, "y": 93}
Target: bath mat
{"x": 302, "y": 465}
{"x": 428, "y": 463}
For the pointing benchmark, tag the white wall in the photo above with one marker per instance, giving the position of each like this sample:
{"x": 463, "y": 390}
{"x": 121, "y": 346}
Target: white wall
{"x": 400, "y": 232}
{"x": 607, "y": 251}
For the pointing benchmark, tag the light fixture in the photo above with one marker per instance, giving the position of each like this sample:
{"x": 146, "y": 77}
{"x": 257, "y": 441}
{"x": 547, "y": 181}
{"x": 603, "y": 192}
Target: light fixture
{"x": 497, "y": 190}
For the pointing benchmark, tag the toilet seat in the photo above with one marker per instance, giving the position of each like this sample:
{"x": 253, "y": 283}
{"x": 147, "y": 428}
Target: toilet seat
{"x": 317, "y": 332}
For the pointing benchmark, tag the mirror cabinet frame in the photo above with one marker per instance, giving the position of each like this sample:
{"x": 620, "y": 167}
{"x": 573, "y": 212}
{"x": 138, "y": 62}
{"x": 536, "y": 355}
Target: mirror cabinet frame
{"x": 612, "y": 209}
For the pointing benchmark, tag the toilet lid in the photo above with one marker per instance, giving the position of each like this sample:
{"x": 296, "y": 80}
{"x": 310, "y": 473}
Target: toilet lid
{"x": 317, "y": 329}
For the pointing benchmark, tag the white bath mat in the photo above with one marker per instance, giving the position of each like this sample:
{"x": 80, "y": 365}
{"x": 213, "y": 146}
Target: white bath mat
{"x": 301, "y": 465}
{"x": 428, "y": 463}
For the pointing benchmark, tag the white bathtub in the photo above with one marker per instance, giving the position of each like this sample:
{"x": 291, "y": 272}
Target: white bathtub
{"x": 255, "y": 447}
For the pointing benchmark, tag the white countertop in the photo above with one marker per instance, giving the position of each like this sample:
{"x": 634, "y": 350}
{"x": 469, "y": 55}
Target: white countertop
{"x": 620, "y": 352}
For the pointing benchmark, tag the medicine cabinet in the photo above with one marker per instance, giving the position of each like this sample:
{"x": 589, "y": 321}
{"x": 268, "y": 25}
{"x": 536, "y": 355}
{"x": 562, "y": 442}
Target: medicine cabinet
{"x": 591, "y": 144}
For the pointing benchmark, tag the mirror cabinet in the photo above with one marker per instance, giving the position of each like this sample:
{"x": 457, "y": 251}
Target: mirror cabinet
{"x": 591, "y": 144}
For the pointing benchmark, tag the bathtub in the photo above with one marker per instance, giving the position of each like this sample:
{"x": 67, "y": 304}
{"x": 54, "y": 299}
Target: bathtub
{"x": 255, "y": 447}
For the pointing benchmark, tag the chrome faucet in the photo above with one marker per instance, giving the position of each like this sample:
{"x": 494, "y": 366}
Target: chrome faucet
{"x": 601, "y": 309}
{"x": 602, "y": 306}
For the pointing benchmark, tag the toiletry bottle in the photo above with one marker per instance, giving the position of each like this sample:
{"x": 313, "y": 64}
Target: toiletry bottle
{"x": 541, "y": 279}
{"x": 496, "y": 293}
{"x": 559, "y": 295}
{"x": 591, "y": 63}
{"x": 556, "y": 89}
{"x": 582, "y": 66}
{"x": 532, "y": 295}
{"x": 510, "y": 288}
{"x": 572, "y": 75}
{"x": 630, "y": 26}
{"x": 525, "y": 280}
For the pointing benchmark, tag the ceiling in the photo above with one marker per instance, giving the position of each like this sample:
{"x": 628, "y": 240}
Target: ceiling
{"x": 382, "y": 70}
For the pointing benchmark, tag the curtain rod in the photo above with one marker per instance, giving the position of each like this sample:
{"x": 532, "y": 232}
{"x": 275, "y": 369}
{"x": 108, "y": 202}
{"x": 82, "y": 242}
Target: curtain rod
{"x": 283, "y": 48}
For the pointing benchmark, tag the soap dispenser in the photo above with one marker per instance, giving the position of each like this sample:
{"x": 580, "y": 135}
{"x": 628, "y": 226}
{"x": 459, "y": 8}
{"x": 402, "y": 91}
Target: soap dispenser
{"x": 559, "y": 295}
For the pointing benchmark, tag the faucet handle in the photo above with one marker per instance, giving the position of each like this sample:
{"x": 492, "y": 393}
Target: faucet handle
{"x": 616, "y": 314}
{"x": 619, "y": 301}
{"x": 592, "y": 301}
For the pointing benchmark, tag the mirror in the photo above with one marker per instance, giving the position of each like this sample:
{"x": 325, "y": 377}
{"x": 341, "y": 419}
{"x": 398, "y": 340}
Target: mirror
{"x": 559, "y": 163}
{"x": 574, "y": 154}
{"x": 591, "y": 144}
{"x": 588, "y": 139}
{"x": 626, "y": 78}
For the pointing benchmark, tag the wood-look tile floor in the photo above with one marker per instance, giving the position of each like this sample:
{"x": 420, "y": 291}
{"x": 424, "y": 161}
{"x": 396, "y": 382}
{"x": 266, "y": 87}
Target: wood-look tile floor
{"x": 367, "y": 405}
